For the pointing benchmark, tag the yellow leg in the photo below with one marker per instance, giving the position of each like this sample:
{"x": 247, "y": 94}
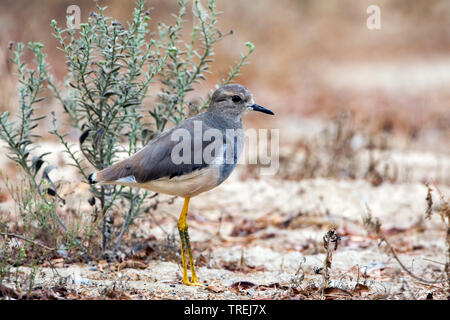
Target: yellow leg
{"x": 186, "y": 247}
{"x": 181, "y": 223}
{"x": 191, "y": 259}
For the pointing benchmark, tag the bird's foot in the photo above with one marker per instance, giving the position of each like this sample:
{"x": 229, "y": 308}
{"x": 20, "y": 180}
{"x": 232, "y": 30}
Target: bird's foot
{"x": 195, "y": 283}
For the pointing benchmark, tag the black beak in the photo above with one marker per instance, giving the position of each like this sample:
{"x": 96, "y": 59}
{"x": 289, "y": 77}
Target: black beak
{"x": 257, "y": 107}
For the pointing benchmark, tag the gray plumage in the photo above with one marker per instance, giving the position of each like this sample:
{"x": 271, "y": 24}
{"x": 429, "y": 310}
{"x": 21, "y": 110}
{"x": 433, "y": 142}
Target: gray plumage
{"x": 153, "y": 167}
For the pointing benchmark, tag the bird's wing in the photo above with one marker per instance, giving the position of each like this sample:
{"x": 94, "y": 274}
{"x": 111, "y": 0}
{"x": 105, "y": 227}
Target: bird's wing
{"x": 154, "y": 161}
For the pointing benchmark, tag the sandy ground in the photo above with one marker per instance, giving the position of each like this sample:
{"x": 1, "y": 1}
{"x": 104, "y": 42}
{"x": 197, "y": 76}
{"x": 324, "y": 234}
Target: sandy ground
{"x": 262, "y": 238}
{"x": 265, "y": 263}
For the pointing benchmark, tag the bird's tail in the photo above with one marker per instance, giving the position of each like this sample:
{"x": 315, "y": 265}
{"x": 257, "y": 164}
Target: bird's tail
{"x": 113, "y": 174}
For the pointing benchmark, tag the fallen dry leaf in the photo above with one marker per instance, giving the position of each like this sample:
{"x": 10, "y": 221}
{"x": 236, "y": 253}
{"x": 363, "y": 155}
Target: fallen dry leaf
{"x": 118, "y": 295}
{"x": 247, "y": 227}
{"x": 361, "y": 288}
{"x": 8, "y": 292}
{"x": 102, "y": 265}
{"x": 134, "y": 264}
{"x": 215, "y": 289}
{"x": 57, "y": 263}
{"x": 243, "y": 285}
{"x": 393, "y": 231}
{"x": 333, "y": 292}
{"x": 3, "y": 197}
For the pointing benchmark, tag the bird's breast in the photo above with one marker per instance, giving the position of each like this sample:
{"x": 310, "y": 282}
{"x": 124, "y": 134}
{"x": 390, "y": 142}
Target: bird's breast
{"x": 232, "y": 150}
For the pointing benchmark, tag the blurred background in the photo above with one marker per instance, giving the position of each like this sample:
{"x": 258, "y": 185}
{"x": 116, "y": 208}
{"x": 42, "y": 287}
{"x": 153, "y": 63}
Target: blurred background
{"x": 363, "y": 118}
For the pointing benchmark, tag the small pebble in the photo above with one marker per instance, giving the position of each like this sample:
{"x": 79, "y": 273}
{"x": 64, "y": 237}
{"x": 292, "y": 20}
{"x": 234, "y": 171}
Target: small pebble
{"x": 82, "y": 281}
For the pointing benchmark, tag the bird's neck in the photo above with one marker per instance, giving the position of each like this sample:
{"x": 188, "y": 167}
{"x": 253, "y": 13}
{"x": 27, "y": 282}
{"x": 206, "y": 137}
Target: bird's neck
{"x": 229, "y": 119}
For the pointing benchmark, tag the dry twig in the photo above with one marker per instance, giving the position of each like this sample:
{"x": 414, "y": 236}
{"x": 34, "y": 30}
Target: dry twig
{"x": 330, "y": 237}
{"x": 26, "y": 239}
{"x": 373, "y": 225}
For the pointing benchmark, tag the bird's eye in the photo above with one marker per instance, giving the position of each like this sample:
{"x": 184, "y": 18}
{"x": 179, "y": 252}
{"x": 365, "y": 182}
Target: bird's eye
{"x": 236, "y": 98}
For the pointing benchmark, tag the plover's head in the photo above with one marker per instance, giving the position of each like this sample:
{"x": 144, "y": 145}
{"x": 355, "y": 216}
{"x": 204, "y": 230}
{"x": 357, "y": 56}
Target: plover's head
{"x": 234, "y": 99}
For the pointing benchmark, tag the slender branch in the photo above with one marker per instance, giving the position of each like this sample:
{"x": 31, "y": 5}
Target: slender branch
{"x": 26, "y": 239}
{"x": 374, "y": 226}
{"x": 391, "y": 249}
